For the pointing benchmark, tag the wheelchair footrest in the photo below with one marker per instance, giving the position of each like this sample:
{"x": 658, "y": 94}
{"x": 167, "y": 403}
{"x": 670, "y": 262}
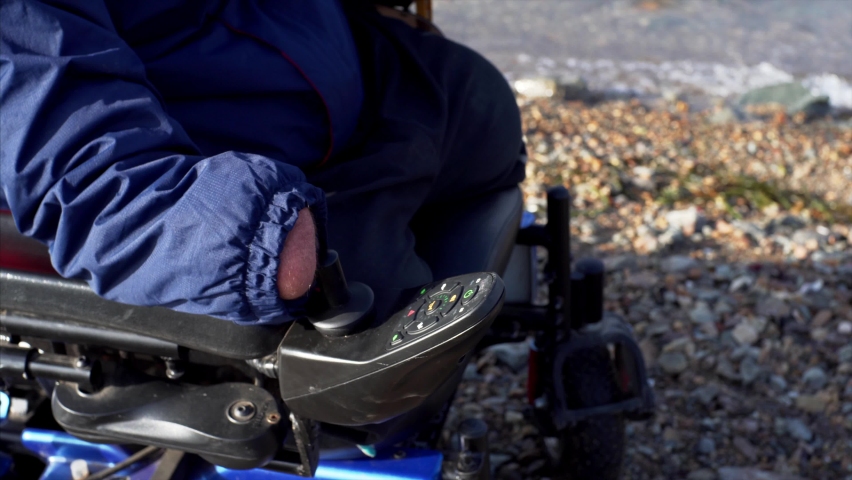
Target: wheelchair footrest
{"x": 229, "y": 424}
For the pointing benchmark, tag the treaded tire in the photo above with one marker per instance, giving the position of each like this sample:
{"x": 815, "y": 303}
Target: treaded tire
{"x": 593, "y": 448}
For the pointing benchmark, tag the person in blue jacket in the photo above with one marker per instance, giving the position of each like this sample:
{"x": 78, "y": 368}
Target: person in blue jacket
{"x": 185, "y": 153}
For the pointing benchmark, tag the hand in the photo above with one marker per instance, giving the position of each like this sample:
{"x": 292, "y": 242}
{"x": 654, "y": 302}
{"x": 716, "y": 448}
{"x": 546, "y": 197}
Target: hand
{"x": 298, "y": 258}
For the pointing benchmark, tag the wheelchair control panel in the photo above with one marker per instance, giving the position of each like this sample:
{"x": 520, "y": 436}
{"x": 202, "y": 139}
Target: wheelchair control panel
{"x": 390, "y": 368}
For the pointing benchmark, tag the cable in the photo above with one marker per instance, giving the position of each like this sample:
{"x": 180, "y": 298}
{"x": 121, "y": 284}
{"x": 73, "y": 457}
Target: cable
{"x": 107, "y": 472}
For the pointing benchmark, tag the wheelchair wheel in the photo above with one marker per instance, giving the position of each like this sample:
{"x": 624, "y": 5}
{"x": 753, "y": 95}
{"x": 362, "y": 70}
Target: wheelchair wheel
{"x": 593, "y": 448}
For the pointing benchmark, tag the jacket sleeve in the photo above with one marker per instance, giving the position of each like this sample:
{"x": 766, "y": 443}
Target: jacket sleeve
{"x": 91, "y": 164}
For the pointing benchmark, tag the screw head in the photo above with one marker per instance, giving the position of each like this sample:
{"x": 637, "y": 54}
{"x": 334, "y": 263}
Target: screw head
{"x": 273, "y": 418}
{"x": 241, "y": 411}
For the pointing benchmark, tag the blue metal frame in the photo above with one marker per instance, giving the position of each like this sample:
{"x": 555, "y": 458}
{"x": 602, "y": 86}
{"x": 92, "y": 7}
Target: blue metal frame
{"x": 59, "y": 449}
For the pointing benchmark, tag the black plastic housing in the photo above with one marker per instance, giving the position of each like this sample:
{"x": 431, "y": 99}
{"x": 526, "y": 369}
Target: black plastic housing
{"x": 362, "y": 379}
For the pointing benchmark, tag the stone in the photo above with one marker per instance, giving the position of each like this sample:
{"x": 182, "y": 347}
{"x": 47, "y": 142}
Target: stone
{"x": 542, "y": 87}
{"x": 745, "y": 334}
{"x": 514, "y": 355}
{"x": 772, "y": 307}
{"x": 512, "y": 416}
{"x": 740, "y": 283}
{"x": 778, "y": 383}
{"x": 687, "y": 220}
{"x": 725, "y": 369}
{"x": 822, "y": 318}
{"x": 845, "y": 354}
{"x": 811, "y": 403}
{"x": 649, "y": 352}
{"x": 799, "y": 430}
{"x": 749, "y": 370}
{"x": 703, "y": 474}
{"x": 815, "y": 378}
{"x": 819, "y": 334}
{"x": 673, "y": 362}
{"x": 723, "y": 272}
{"x": 706, "y": 445}
{"x": 620, "y": 262}
{"x": 746, "y": 448}
{"x": 470, "y": 372}
{"x": 793, "y": 96}
{"x": 678, "y": 264}
{"x": 573, "y": 88}
{"x": 753, "y": 473}
{"x": 844, "y": 328}
{"x": 705, "y": 394}
{"x": 702, "y": 313}
{"x": 644, "y": 279}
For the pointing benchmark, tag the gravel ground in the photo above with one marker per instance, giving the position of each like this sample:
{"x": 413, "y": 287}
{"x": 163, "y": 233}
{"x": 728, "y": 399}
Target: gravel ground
{"x": 727, "y": 241}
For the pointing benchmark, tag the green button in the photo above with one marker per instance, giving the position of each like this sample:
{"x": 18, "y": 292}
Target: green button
{"x": 422, "y": 291}
{"x": 468, "y": 293}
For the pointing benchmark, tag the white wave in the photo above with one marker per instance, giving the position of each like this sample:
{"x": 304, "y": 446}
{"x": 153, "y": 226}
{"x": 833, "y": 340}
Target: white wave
{"x": 713, "y": 79}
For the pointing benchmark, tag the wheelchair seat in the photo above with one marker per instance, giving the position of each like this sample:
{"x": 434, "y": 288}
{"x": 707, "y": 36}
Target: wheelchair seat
{"x": 35, "y": 301}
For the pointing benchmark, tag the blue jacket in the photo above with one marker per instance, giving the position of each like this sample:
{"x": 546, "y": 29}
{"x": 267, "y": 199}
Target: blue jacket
{"x": 156, "y": 146}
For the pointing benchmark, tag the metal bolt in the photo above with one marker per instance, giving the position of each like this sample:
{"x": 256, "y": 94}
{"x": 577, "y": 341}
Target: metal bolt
{"x": 82, "y": 362}
{"x": 241, "y": 411}
{"x": 174, "y": 369}
{"x": 273, "y": 418}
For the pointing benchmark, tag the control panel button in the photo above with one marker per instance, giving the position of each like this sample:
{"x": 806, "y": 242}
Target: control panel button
{"x": 452, "y": 298}
{"x": 397, "y": 338}
{"x": 419, "y": 326}
{"x": 433, "y": 306}
{"x": 442, "y": 289}
{"x": 469, "y": 294}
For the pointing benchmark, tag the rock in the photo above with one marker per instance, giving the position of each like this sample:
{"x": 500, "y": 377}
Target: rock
{"x": 542, "y": 87}
{"x": 703, "y": 474}
{"x": 702, "y": 313}
{"x": 794, "y": 97}
{"x": 745, "y": 334}
{"x": 751, "y": 229}
{"x": 819, "y": 334}
{"x": 514, "y": 355}
{"x": 811, "y": 403}
{"x": 753, "y": 473}
{"x": 740, "y": 283}
{"x": 778, "y": 383}
{"x": 649, "y": 352}
{"x": 705, "y": 394}
{"x": 680, "y": 344}
{"x": 725, "y": 115}
{"x": 822, "y": 318}
{"x": 470, "y": 372}
{"x": 678, "y": 264}
{"x": 845, "y": 354}
{"x": 844, "y": 328}
{"x": 687, "y": 221}
{"x": 643, "y": 279}
{"x": 798, "y": 430}
{"x": 723, "y": 272}
{"x": 620, "y": 262}
{"x": 512, "y": 416}
{"x": 749, "y": 370}
{"x": 572, "y": 87}
{"x": 725, "y": 369}
{"x": 673, "y": 362}
{"x": 497, "y": 460}
{"x": 746, "y": 448}
{"x": 706, "y": 445}
{"x": 815, "y": 378}
{"x": 773, "y": 308}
